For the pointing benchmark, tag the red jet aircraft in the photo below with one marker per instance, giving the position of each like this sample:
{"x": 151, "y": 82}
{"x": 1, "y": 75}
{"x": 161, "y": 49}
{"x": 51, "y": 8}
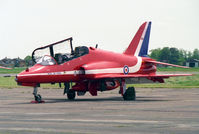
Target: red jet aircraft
{"x": 90, "y": 69}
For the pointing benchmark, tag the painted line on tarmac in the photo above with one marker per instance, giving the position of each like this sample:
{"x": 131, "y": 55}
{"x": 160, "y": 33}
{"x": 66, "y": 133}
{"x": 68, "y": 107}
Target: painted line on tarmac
{"x": 35, "y": 130}
{"x": 100, "y": 121}
{"x": 44, "y": 113}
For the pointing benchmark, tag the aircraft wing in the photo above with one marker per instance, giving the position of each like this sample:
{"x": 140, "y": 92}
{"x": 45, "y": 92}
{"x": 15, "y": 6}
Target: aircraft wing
{"x": 154, "y": 77}
{"x": 100, "y": 76}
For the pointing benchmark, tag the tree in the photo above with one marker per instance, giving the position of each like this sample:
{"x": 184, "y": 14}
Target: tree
{"x": 196, "y": 54}
{"x": 28, "y": 60}
{"x": 174, "y": 56}
{"x": 189, "y": 56}
{"x": 183, "y": 56}
{"x": 165, "y": 54}
{"x": 155, "y": 53}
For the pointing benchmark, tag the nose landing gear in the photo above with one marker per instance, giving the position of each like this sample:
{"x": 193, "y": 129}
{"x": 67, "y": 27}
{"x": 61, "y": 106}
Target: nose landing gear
{"x": 38, "y": 98}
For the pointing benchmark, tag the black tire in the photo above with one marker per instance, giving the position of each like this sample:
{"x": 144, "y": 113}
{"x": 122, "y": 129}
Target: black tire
{"x": 130, "y": 94}
{"x": 38, "y": 98}
{"x": 71, "y": 94}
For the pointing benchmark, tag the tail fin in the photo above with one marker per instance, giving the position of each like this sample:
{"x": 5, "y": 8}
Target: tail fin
{"x": 140, "y": 42}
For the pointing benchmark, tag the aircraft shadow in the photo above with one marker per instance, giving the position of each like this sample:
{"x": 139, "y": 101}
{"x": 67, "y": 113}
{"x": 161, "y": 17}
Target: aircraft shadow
{"x": 118, "y": 99}
{"x": 53, "y": 100}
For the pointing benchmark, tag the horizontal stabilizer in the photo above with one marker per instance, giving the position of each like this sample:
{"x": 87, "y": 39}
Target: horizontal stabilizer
{"x": 166, "y": 64}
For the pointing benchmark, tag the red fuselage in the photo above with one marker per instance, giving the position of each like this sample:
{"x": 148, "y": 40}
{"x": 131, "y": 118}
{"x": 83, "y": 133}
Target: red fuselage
{"x": 96, "y": 62}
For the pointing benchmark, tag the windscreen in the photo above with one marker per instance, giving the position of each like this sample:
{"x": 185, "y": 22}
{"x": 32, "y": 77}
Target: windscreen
{"x": 41, "y": 53}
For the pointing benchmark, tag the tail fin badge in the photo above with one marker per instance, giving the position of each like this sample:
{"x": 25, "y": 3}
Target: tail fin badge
{"x": 126, "y": 69}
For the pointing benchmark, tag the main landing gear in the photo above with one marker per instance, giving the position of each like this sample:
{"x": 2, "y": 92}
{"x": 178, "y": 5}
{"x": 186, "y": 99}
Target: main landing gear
{"x": 129, "y": 93}
{"x": 70, "y": 93}
{"x": 38, "y": 98}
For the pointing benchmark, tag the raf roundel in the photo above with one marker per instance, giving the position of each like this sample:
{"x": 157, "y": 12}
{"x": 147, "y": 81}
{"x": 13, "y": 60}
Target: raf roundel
{"x": 126, "y": 69}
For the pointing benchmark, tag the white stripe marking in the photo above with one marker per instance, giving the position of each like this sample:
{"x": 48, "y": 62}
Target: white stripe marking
{"x": 132, "y": 69}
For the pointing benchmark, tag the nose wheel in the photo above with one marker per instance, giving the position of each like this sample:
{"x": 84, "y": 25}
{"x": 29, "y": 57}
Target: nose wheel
{"x": 38, "y": 98}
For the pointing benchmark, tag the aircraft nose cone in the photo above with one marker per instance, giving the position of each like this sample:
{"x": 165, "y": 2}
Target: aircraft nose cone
{"x": 16, "y": 79}
{"x": 19, "y": 79}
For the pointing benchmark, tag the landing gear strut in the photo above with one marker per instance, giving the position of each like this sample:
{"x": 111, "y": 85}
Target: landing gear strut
{"x": 38, "y": 98}
{"x": 66, "y": 87}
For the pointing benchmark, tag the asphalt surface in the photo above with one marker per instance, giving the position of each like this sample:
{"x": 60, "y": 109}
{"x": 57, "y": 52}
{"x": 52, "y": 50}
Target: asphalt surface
{"x": 165, "y": 111}
{"x": 7, "y": 75}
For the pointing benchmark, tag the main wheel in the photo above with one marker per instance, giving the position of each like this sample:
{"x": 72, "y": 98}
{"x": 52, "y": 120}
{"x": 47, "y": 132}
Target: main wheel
{"x": 130, "y": 94}
{"x": 71, "y": 94}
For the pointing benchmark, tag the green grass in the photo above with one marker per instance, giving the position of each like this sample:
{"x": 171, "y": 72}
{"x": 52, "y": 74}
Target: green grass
{"x": 9, "y": 82}
{"x": 173, "y": 82}
{"x": 15, "y": 70}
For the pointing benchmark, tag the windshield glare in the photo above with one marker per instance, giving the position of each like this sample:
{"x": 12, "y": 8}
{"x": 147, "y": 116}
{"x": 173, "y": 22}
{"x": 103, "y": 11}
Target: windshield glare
{"x": 46, "y": 60}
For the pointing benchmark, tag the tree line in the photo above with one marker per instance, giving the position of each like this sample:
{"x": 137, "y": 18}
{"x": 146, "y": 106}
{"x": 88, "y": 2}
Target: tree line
{"x": 174, "y": 55}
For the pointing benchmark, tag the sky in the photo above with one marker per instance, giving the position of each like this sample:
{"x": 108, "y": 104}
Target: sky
{"x": 29, "y": 24}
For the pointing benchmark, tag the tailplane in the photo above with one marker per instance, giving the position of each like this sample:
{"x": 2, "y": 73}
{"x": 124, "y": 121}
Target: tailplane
{"x": 140, "y": 42}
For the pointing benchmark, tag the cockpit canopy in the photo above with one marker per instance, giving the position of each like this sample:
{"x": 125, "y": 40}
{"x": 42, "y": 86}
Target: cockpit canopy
{"x": 58, "y": 53}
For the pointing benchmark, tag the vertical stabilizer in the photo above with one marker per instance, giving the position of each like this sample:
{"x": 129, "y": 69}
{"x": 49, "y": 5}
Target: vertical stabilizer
{"x": 140, "y": 42}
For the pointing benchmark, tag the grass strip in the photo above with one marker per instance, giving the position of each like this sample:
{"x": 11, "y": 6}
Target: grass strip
{"x": 173, "y": 82}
